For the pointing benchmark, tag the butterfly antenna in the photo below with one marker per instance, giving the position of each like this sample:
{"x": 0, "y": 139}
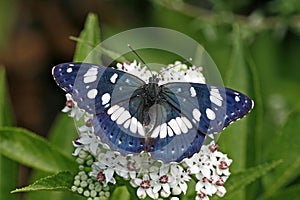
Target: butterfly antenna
{"x": 139, "y": 57}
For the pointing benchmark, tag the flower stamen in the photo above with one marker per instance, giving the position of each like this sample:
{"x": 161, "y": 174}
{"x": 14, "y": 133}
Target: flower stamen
{"x": 164, "y": 179}
{"x": 223, "y": 165}
{"x": 100, "y": 177}
{"x": 69, "y": 103}
{"x": 145, "y": 184}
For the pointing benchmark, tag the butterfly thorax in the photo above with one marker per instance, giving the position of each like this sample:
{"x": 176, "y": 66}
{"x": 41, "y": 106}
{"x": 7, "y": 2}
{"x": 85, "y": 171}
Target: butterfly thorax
{"x": 152, "y": 90}
{"x": 142, "y": 101}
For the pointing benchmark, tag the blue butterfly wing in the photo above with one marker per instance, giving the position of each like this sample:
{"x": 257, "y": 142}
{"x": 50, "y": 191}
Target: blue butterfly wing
{"x": 175, "y": 138}
{"x": 117, "y": 119}
{"x": 167, "y": 149}
{"x": 95, "y": 88}
{"x": 114, "y": 89}
{"x": 209, "y": 108}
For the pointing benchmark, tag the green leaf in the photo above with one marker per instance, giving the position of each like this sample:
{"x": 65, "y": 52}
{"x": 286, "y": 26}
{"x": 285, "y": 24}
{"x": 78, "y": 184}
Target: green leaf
{"x": 63, "y": 131}
{"x": 290, "y": 193}
{"x": 8, "y": 168}
{"x": 6, "y": 117}
{"x": 238, "y": 181}
{"x": 90, "y": 37}
{"x": 9, "y": 177}
{"x": 286, "y": 147}
{"x": 60, "y": 181}
{"x": 256, "y": 132}
{"x": 113, "y": 55}
{"x": 88, "y": 48}
{"x": 34, "y": 151}
{"x": 233, "y": 140}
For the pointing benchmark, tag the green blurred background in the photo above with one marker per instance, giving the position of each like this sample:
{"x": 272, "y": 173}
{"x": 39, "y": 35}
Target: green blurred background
{"x": 261, "y": 34}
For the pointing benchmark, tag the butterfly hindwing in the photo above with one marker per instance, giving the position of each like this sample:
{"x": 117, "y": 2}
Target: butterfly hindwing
{"x": 209, "y": 108}
{"x": 167, "y": 149}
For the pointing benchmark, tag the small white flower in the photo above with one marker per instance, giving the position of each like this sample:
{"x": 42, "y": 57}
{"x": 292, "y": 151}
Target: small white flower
{"x": 199, "y": 163}
{"x": 135, "y": 69}
{"x": 109, "y": 163}
{"x": 179, "y": 72}
{"x": 221, "y": 191}
{"x": 72, "y": 108}
{"x": 180, "y": 177}
{"x": 161, "y": 178}
{"x": 224, "y": 166}
{"x": 87, "y": 127}
{"x": 145, "y": 187}
{"x": 206, "y": 185}
{"x": 103, "y": 174}
{"x": 86, "y": 142}
{"x": 201, "y": 196}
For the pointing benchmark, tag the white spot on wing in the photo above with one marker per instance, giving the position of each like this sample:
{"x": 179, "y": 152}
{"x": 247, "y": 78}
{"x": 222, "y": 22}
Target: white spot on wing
{"x": 187, "y": 122}
{"x": 210, "y": 114}
{"x": 89, "y": 79}
{"x": 69, "y": 70}
{"x": 193, "y": 92}
{"x": 91, "y": 75}
{"x": 173, "y": 124}
{"x": 163, "y": 131}
{"x": 113, "y": 78}
{"x": 123, "y": 117}
{"x": 133, "y": 125}
{"x": 155, "y": 132}
{"x": 105, "y": 98}
{"x": 181, "y": 125}
{"x": 92, "y": 93}
{"x": 215, "y": 100}
{"x": 93, "y": 71}
{"x": 117, "y": 114}
{"x": 196, "y": 114}
{"x": 141, "y": 130}
{"x": 127, "y": 123}
{"x": 237, "y": 98}
{"x": 170, "y": 132}
{"x": 216, "y": 93}
{"x": 112, "y": 109}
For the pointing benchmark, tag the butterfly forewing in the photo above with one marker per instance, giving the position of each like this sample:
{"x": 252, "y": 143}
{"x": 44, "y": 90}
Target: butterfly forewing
{"x": 95, "y": 88}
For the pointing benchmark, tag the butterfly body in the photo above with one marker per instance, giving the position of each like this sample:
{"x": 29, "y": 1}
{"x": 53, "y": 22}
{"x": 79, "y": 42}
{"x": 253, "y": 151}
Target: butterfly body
{"x": 169, "y": 121}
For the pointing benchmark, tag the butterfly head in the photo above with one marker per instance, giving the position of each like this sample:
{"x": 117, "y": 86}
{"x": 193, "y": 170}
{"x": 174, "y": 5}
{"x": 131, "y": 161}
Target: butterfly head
{"x": 152, "y": 88}
{"x": 154, "y": 79}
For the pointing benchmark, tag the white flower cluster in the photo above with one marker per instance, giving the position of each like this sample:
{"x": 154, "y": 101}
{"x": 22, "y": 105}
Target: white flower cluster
{"x": 209, "y": 167}
{"x": 156, "y": 179}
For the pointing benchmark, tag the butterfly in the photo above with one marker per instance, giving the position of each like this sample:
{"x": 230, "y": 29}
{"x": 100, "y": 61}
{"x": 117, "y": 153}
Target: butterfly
{"x": 169, "y": 121}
